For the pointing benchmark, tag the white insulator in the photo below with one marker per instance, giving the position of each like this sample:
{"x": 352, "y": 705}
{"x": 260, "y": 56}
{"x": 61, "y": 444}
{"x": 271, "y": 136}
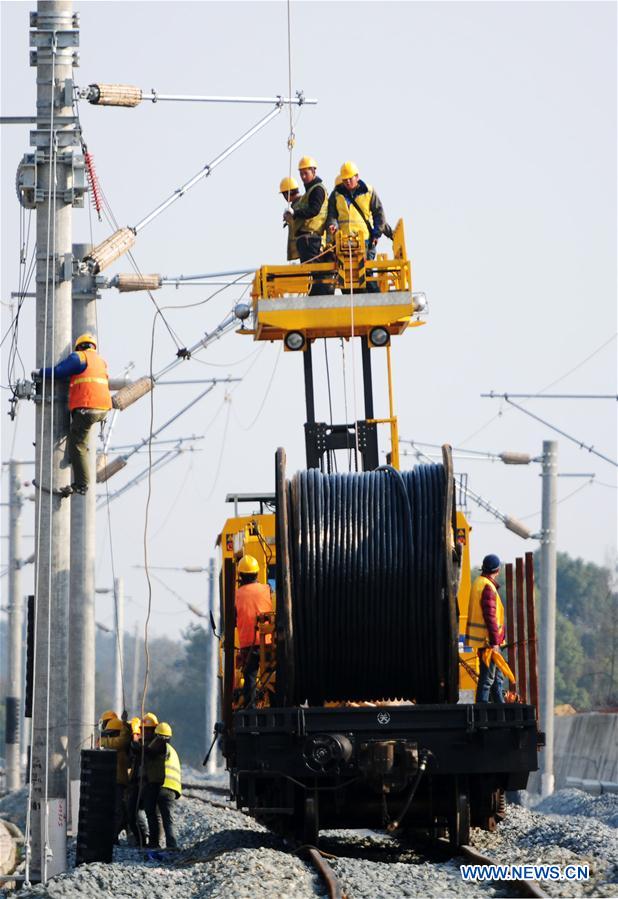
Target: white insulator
{"x": 517, "y": 527}
{"x": 119, "y": 383}
{"x": 111, "y": 469}
{"x": 128, "y": 395}
{"x": 114, "y": 95}
{"x": 510, "y": 458}
{"x": 111, "y": 249}
{"x": 101, "y": 462}
{"x": 129, "y": 282}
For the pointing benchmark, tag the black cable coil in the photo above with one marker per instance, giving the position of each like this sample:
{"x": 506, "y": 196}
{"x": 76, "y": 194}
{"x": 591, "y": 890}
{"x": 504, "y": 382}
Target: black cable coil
{"x": 371, "y": 612}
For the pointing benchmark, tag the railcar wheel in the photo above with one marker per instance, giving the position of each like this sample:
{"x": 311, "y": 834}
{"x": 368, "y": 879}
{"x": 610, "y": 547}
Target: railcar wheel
{"x": 459, "y": 819}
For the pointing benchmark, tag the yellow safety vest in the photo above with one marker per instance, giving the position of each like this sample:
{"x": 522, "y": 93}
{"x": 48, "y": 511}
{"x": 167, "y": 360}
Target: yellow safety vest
{"x": 349, "y": 217}
{"x": 476, "y": 630}
{"x": 317, "y": 223}
{"x": 173, "y": 780}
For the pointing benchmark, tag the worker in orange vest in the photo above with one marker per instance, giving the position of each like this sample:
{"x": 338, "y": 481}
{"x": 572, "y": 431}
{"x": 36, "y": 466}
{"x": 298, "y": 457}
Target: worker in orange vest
{"x": 89, "y": 403}
{"x": 252, "y": 599}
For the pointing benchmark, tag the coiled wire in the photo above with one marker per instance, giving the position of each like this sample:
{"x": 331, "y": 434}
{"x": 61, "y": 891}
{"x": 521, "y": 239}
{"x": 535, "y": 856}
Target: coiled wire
{"x": 370, "y": 606}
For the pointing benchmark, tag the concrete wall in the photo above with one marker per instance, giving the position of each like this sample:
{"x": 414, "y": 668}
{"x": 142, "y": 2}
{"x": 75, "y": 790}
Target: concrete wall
{"x": 586, "y": 746}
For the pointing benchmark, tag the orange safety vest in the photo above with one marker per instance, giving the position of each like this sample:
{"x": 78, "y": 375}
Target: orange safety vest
{"x": 477, "y": 634}
{"x": 251, "y": 601}
{"x": 90, "y": 389}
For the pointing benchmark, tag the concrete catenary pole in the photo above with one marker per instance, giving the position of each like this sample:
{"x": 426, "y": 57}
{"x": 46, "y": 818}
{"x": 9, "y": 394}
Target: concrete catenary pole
{"x": 212, "y": 665}
{"x": 82, "y": 714}
{"x": 54, "y": 36}
{"x": 13, "y": 717}
{"x": 135, "y": 673}
{"x": 548, "y": 611}
{"x": 118, "y": 644}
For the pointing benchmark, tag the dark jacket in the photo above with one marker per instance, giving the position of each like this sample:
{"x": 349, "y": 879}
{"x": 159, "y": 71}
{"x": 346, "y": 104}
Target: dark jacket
{"x": 314, "y": 204}
{"x": 74, "y": 364}
{"x": 488, "y": 606}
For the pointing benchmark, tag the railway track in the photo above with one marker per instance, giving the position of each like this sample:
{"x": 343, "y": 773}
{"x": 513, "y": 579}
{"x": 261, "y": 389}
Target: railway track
{"x": 320, "y": 858}
{"x": 337, "y": 890}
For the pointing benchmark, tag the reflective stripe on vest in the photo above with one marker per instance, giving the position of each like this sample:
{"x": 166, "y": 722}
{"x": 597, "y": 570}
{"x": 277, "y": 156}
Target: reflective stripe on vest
{"x": 317, "y": 223}
{"x": 476, "y": 629}
{"x": 173, "y": 780}
{"x": 349, "y": 217}
{"x": 90, "y": 389}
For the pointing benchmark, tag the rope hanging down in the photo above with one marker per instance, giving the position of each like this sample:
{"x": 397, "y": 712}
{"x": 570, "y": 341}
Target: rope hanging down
{"x": 371, "y": 612}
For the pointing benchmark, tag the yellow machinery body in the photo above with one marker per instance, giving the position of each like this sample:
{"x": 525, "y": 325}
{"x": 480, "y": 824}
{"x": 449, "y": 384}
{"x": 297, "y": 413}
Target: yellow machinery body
{"x": 281, "y": 303}
{"x": 468, "y": 659}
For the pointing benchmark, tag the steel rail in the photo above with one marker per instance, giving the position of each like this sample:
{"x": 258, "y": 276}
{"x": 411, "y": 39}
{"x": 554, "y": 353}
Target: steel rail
{"x": 333, "y": 887}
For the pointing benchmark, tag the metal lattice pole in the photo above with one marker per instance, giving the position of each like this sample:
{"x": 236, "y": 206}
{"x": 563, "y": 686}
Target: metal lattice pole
{"x": 82, "y": 715}
{"x": 54, "y": 36}
{"x": 13, "y": 717}
{"x": 547, "y": 627}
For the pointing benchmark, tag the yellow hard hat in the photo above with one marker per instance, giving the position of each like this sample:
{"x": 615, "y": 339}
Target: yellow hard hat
{"x": 86, "y": 338}
{"x": 114, "y": 724}
{"x": 136, "y": 724}
{"x": 338, "y": 180}
{"x": 288, "y": 184}
{"x": 348, "y": 170}
{"x": 107, "y": 716}
{"x": 307, "y": 162}
{"x": 150, "y": 720}
{"x": 248, "y": 565}
{"x": 163, "y": 729}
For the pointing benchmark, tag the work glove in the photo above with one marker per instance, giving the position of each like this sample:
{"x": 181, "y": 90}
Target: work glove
{"x": 388, "y": 231}
{"x": 288, "y": 216}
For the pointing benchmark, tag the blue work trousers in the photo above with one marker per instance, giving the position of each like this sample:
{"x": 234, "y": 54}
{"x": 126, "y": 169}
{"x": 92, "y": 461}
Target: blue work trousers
{"x": 491, "y": 685}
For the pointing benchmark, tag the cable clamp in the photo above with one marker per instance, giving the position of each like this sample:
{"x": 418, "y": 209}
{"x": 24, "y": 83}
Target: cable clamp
{"x": 154, "y": 95}
{"x": 301, "y": 97}
{"x": 183, "y": 353}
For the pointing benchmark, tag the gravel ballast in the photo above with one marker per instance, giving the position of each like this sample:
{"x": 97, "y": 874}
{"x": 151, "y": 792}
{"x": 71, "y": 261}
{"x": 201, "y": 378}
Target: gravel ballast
{"x": 226, "y": 854}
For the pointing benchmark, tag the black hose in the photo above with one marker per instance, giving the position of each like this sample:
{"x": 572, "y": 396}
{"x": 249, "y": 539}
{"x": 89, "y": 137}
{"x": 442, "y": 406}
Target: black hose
{"x": 369, "y": 600}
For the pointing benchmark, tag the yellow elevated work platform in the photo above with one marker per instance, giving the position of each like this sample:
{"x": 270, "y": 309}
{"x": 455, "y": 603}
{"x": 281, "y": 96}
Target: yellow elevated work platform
{"x": 281, "y": 300}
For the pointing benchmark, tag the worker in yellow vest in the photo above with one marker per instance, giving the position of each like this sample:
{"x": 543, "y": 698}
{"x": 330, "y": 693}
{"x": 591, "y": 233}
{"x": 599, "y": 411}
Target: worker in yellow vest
{"x": 355, "y": 207}
{"x": 288, "y": 188}
{"x": 89, "y": 403}
{"x": 252, "y": 599}
{"x": 485, "y": 628}
{"x": 164, "y": 786}
{"x": 309, "y": 218}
